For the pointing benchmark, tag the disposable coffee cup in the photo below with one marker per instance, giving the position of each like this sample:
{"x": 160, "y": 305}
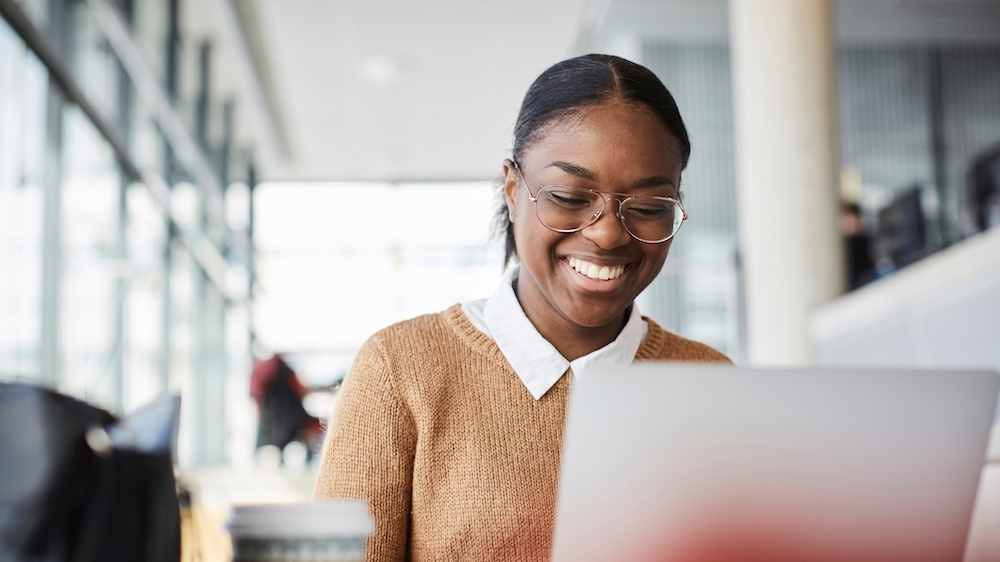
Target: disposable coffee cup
{"x": 302, "y": 532}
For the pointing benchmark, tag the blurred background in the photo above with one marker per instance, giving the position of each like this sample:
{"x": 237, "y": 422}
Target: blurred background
{"x": 190, "y": 188}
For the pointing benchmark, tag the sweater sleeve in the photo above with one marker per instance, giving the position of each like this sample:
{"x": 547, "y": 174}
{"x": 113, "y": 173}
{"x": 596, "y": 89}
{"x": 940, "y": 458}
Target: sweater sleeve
{"x": 369, "y": 449}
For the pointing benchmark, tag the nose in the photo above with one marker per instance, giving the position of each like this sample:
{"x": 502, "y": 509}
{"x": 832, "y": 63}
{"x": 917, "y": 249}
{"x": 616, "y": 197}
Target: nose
{"x": 608, "y": 231}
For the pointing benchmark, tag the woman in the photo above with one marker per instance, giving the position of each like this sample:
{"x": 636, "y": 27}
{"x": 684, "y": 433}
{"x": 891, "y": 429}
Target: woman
{"x": 450, "y": 425}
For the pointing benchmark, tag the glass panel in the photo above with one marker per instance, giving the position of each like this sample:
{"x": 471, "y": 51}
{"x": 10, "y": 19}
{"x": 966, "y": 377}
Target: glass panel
{"x": 37, "y": 11}
{"x": 92, "y": 63}
{"x": 885, "y": 124}
{"x": 150, "y": 29}
{"x": 971, "y": 99}
{"x": 23, "y": 93}
{"x": 147, "y": 234}
{"x": 913, "y": 119}
{"x": 371, "y": 253}
{"x": 120, "y": 319}
{"x": 210, "y": 375}
{"x": 241, "y": 410}
{"x": 189, "y": 83}
{"x": 146, "y": 144}
{"x": 181, "y": 353}
{"x": 93, "y": 275}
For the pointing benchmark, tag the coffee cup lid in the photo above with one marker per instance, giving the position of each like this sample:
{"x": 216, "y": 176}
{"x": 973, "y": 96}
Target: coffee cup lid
{"x": 312, "y": 519}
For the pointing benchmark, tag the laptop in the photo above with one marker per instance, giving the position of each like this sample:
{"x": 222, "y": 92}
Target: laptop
{"x": 707, "y": 463}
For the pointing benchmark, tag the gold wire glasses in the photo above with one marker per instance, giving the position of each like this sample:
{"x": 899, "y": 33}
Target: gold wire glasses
{"x": 648, "y": 218}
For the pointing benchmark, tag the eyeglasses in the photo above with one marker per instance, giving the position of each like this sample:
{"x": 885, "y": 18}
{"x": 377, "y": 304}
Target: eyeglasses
{"x": 648, "y": 218}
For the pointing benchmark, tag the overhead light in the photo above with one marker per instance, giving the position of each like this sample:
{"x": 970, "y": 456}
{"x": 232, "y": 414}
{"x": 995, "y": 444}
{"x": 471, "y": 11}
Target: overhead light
{"x": 383, "y": 70}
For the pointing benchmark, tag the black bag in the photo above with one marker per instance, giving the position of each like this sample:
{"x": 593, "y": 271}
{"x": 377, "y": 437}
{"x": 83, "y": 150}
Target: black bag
{"x": 79, "y": 485}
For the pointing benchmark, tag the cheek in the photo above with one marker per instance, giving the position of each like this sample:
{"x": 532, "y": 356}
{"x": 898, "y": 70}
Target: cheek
{"x": 525, "y": 237}
{"x": 522, "y": 211}
{"x": 658, "y": 255}
{"x": 523, "y": 218}
{"x": 534, "y": 241}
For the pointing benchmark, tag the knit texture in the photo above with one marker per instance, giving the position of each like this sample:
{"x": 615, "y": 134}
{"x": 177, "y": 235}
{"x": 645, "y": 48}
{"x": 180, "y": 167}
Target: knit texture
{"x": 456, "y": 460}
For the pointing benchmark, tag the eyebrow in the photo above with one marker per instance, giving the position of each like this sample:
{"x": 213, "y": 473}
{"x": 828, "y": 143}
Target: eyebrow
{"x": 573, "y": 169}
{"x": 581, "y": 172}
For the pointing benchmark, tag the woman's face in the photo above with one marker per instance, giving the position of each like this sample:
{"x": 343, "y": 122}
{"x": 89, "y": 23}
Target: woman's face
{"x": 611, "y": 147}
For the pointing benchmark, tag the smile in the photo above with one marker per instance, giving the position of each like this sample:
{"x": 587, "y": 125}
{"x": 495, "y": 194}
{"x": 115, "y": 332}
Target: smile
{"x": 594, "y": 271}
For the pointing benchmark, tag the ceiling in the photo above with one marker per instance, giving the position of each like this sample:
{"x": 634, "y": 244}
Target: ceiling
{"x": 404, "y": 90}
{"x": 397, "y": 90}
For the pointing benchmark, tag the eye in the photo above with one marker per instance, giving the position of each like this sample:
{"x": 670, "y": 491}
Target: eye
{"x": 568, "y": 197}
{"x": 651, "y": 210}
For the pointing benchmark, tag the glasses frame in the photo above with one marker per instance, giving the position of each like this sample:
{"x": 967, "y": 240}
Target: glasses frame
{"x": 606, "y": 196}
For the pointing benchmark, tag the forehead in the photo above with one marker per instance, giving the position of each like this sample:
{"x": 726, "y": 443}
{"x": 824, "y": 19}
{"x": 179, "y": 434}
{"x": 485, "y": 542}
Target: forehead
{"x": 609, "y": 132}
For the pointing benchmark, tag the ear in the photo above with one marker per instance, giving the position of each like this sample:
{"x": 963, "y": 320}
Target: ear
{"x": 511, "y": 180}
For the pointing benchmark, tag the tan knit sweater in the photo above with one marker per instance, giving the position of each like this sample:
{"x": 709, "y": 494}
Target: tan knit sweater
{"x": 442, "y": 439}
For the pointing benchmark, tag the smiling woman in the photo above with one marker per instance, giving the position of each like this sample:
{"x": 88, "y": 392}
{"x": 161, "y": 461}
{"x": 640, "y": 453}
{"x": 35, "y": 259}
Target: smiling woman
{"x": 450, "y": 425}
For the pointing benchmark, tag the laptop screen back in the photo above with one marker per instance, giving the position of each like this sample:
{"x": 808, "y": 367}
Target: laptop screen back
{"x": 702, "y": 463}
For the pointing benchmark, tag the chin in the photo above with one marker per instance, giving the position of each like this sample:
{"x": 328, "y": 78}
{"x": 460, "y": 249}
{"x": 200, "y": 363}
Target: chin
{"x": 591, "y": 320}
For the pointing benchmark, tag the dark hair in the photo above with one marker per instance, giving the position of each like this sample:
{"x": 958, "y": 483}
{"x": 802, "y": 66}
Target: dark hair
{"x": 573, "y": 84}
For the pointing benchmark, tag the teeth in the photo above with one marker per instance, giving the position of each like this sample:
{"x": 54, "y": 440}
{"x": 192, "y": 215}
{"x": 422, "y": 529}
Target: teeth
{"x": 595, "y": 271}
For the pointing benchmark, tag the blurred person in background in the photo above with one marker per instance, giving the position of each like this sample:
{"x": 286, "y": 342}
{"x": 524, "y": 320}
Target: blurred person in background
{"x": 282, "y": 419}
{"x": 857, "y": 245}
{"x": 450, "y": 425}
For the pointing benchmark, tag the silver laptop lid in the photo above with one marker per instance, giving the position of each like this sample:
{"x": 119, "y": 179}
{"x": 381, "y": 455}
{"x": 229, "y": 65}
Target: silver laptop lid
{"x": 679, "y": 462}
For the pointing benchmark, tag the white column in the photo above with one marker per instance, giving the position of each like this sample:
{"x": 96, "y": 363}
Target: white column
{"x": 786, "y": 145}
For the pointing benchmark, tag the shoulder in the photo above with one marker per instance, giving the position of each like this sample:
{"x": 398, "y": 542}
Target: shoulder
{"x": 422, "y": 358}
{"x": 440, "y": 335}
{"x": 411, "y": 328}
{"x": 447, "y": 325}
{"x": 663, "y": 345}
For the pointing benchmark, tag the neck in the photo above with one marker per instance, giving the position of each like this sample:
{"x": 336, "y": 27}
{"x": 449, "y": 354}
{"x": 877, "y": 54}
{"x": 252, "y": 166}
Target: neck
{"x": 586, "y": 340}
{"x": 572, "y": 340}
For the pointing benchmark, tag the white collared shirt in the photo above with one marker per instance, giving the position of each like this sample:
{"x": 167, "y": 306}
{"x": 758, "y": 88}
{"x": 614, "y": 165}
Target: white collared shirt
{"x": 535, "y": 360}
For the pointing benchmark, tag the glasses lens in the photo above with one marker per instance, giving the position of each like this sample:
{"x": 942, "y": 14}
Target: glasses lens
{"x": 566, "y": 208}
{"x": 652, "y": 219}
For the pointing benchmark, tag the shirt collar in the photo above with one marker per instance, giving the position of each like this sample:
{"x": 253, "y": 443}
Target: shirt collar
{"x": 535, "y": 360}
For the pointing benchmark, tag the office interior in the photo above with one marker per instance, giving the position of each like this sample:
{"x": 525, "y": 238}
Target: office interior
{"x": 187, "y": 188}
